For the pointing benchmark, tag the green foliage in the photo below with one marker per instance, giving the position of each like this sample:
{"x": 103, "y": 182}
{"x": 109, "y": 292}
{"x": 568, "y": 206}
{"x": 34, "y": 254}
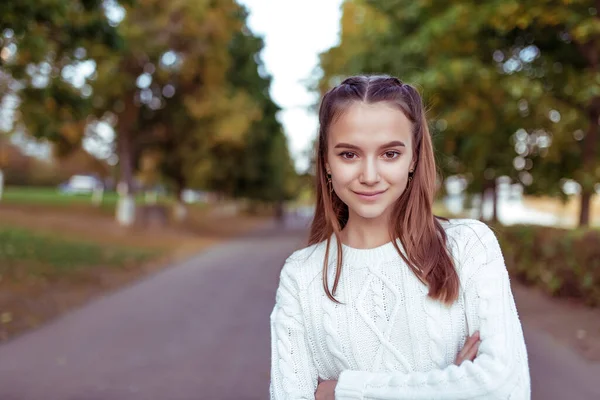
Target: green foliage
{"x": 487, "y": 70}
{"x": 41, "y": 42}
{"x": 205, "y": 117}
{"x": 219, "y": 132}
{"x": 51, "y": 256}
{"x": 267, "y": 173}
{"x": 561, "y": 262}
{"x": 443, "y": 48}
{"x": 56, "y": 27}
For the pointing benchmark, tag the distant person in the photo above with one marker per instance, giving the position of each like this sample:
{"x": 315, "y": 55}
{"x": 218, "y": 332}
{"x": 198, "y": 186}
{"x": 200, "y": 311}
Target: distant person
{"x": 390, "y": 301}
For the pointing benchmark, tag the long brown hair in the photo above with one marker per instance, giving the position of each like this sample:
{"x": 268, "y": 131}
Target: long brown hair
{"x": 413, "y": 221}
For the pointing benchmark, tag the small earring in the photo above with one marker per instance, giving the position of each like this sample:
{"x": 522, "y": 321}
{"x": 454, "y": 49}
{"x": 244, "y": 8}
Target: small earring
{"x": 329, "y": 182}
{"x": 410, "y": 175}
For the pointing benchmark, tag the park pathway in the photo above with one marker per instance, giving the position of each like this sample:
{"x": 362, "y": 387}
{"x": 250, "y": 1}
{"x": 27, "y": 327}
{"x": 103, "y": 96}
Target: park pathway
{"x": 199, "y": 330}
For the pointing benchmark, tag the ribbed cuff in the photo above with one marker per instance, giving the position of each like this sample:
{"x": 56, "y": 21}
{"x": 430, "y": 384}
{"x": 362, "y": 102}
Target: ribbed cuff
{"x": 350, "y": 386}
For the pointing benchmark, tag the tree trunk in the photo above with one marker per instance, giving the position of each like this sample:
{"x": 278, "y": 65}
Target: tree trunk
{"x": 126, "y": 204}
{"x": 1, "y": 184}
{"x": 590, "y": 142}
{"x": 489, "y": 190}
{"x": 590, "y": 146}
{"x": 180, "y": 211}
{"x": 584, "y": 212}
{"x": 124, "y": 145}
{"x": 494, "y": 191}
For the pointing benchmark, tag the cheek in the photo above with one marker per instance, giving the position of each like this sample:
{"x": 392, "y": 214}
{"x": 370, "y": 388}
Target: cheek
{"x": 395, "y": 172}
{"x": 343, "y": 174}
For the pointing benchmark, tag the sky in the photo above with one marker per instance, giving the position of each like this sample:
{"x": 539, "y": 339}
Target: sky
{"x": 295, "y": 32}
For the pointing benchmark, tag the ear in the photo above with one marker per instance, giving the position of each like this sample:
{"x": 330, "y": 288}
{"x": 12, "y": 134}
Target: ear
{"x": 327, "y": 168}
{"x": 413, "y": 164}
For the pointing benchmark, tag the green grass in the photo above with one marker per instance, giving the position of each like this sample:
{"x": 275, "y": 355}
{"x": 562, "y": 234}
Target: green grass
{"x": 45, "y": 255}
{"x": 51, "y": 196}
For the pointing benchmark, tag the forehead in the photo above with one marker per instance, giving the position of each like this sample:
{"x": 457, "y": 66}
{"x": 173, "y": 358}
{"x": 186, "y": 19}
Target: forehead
{"x": 370, "y": 125}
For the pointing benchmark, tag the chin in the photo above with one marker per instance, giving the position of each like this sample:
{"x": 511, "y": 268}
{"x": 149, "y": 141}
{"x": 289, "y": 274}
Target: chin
{"x": 369, "y": 212}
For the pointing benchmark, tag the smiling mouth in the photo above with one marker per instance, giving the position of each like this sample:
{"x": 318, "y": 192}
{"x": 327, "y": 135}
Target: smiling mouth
{"x": 369, "y": 194}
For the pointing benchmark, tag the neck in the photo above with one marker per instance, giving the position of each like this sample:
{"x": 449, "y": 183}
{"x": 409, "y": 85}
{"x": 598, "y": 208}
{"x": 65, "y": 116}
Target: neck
{"x": 366, "y": 233}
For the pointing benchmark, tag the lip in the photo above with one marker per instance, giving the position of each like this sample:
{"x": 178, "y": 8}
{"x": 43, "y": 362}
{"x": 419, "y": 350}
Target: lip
{"x": 370, "y": 195}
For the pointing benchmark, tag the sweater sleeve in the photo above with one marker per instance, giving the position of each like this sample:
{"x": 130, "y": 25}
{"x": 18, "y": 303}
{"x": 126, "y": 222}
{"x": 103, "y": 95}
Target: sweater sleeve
{"x": 293, "y": 374}
{"x": 500, "y": 369}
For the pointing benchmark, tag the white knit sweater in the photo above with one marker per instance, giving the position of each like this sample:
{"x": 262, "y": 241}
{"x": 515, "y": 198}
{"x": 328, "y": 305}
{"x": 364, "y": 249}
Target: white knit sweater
{"x": 389, "y": 340}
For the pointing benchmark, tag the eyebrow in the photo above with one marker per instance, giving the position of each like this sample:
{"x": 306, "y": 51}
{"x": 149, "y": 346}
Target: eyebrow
{"x": 395, "y": 143}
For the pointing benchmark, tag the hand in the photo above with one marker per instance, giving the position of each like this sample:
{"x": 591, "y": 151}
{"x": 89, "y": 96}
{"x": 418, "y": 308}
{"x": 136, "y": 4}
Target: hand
{"x": 469, "y": 350}
{"x": 325, "y": 390}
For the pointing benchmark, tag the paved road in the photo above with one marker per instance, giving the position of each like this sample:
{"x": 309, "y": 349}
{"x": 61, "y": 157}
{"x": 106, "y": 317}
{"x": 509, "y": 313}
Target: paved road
{"x": 200, "y": 330}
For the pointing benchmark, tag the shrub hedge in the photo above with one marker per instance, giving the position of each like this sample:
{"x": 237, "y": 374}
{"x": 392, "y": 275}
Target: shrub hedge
{"x": 562, "y": 262}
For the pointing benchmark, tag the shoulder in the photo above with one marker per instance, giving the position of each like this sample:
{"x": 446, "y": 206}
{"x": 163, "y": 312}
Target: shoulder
{"x": 308, "y": 254}
{"x": 465, "y": 227}
{"x": 304, "y": 264}
{"x": 466, "y": 233}
{"x": 472, "y": 243}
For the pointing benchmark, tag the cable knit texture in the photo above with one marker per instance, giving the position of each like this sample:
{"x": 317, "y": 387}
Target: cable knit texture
{"x": 389, "y": 340}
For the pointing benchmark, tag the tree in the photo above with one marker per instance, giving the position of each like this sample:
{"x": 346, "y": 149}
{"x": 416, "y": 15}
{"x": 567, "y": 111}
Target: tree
{"x": 168, "y": 86}
{"x": 431, "y": 44}
{"x": 41, "y": 45}
{"x": 233, "y": 144}
{"x": 564, "y": 37}
{"x": 490, "y": 70}
{"x": 267, "y": 172}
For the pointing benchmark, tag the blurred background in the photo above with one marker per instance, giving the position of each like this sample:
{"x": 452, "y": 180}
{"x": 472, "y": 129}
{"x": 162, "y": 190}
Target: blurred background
{"x": 137, "y": 135}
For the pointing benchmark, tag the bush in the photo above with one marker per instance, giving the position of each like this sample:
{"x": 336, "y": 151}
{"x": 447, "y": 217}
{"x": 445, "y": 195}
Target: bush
{"x": 564, "y": 263}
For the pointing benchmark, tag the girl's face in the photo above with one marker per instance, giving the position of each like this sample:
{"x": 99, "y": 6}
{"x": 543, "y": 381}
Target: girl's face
{"x": 370, "y": 153}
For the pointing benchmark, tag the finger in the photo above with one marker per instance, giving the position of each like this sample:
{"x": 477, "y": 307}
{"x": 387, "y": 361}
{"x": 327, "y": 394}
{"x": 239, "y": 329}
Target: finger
{"x": 472, "y": 353}
{"x": 471, "y": 340}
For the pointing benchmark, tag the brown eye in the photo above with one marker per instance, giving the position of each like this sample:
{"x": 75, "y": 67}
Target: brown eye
{"x": 348, "y": 155}
{"x": 390, "y": 155}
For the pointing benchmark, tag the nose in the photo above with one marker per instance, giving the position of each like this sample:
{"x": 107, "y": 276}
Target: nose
{"x": 369, "y": 174}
